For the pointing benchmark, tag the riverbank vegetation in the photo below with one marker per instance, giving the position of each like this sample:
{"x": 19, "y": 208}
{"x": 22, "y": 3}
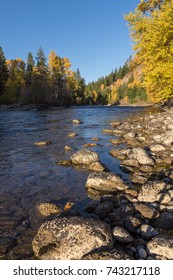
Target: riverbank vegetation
{"x": 145, "y": 77}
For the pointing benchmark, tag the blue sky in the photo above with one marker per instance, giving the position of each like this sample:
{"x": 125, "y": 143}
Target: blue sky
{"x": 91, "y": 33}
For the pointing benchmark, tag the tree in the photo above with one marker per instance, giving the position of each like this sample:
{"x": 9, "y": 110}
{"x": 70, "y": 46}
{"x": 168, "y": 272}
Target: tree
{"x": 151, "y": 27}
{"x": 3, "y": 72}
{"x": 29, "y": 68}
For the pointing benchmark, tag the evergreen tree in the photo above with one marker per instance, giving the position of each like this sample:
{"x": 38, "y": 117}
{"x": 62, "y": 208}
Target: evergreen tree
{"x": 29, "y": 68}
{"x": 3, "y": 72}
{"x": 41, "y": 58}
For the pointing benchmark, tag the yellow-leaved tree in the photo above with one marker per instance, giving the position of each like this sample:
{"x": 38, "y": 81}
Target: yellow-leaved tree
{"x": 151, "y": 26}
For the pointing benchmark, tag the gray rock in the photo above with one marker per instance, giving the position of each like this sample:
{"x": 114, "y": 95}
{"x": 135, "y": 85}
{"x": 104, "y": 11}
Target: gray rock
{"x": 124, "y": 211}
{"x": 148, "y": 232}
{"x": 104, "y": 209}
{"x": 141, "y": 156}
{"x": 121, "y": 235}
{"x": 165, "y": 221}
{"x": 161, "y": 246}
{"x": 142, "y": 254}
{"x": 110, "y": 198}
{"x": 150, "y": 191}
{"x": 146, "y": 211}
{"x": 84, "y": 157}
{"x": 105, "y": 181}
{"x": 90, "y": 208}
{"x": 70, "y": 238}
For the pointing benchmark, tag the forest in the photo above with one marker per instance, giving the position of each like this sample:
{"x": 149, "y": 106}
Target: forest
{"x": 145, "y": 76}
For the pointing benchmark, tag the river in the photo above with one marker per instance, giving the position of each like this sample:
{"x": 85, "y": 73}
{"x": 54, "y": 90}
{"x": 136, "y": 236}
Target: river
{"x": 29, "y": 174}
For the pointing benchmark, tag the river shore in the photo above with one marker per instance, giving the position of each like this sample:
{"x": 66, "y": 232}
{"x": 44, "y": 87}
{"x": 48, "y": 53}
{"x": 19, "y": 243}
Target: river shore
{"x": 136, "y": 219}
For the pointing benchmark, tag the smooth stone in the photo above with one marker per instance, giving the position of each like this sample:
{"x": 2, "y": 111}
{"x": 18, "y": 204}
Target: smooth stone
{"x": 107, "y": 131}
{"x": 71, "y": 238}
{"x": 67, "y": 148}
{"x": 90, "y": 208}
{"x": 132, "y": 223}
{"x": 103, "y": 209}
{"x": 110, "y": 198}
{"x": 124, "y": 211}
{"x": 75, "y": 121}
{"x": 157, "y": 148}
{"x": 43, "y": 143}
{"x": 163, "y": 198}
{"x": 115, "y": 123}
{"x": 165, "y": 221}
{"x": 148, "y": 232}
{"x": 72, "y": 135}
{"x": 64, "y": 162}
{"x": 121, "y": 235}
{"x": 146, "y": 211}
{"x": 142, "y": 253}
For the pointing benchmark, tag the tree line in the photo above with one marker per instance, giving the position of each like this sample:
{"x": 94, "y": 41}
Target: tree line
{"x": 40, "y": 80}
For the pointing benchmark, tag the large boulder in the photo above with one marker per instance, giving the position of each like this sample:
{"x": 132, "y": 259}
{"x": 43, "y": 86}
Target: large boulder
{"x": 161, "y": 246}
{"x": 71, "y": 238}
{"x": 105, "y": 181}
{"x": 141, "y": 156}
{"x": 84, "y": 157}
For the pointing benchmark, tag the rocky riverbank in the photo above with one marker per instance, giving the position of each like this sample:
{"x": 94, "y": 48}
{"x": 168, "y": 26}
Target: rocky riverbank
{"x": 130, "y": 220}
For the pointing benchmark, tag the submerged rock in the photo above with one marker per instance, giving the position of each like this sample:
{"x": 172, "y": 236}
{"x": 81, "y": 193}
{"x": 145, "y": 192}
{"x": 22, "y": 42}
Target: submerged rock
{"x": 47, "y": 209}
{"x": 43, "y": 143}
{"x": 71, "y": 238}
{"x": 75, "y": 121}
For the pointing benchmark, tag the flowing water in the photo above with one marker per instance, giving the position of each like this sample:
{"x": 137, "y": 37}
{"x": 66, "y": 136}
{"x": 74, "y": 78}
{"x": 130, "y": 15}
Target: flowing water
{"x": 29, "y": 174}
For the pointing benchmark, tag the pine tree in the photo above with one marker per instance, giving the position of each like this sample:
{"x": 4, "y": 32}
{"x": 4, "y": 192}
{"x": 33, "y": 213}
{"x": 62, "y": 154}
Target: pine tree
{"x": 3, "y": 72}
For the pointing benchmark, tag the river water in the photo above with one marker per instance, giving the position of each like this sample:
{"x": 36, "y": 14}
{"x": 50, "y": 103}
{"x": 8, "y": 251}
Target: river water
{"x": 29, "y": 174}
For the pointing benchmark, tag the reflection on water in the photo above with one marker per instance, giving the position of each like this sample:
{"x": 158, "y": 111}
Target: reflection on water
{"x": 29, "y": 174}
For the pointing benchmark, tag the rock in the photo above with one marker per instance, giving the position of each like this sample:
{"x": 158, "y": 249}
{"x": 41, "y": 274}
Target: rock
{"x": 115, "y": 141}
{"x": 142, "y": 254}
{"x": 126, "y": 169}
{"x": 110, "y": 198}
{"x": 84, "y": 157}
{"x": 115, "y": 123}
{"x": 132, "y": 224}
{"x": 161, "y": 246}
{"x": 146, "y": 211}
{"x": 150, "y": 191}
{"x": 107, "y": 131}
{"x": 77, "y": 122}
{"x": 130, "y": 162}
{"x": 108, "y": 255}
{"x": 129, "y": 135}
{"x": 121, "y": 235}
{"x": 67, "y": 148}
{"x": 163, "y": 198}
{"x": 124, "y": 211}
{"x": 133, "y": 142}
{"x": 90, "y": 208}
{"x": 47, "y": 209}
{"x": 157, "y": 148}
{"x": 148, "y": 232}
{"x": 105, "y": 181}
{"x": 89, "y": 145}
{"x": 6, "y": 243}
{"x": 71, "y": 238}
{"x": 104, "y": 209}
{"x": 165, "y": 221}
{"x": 170, "y": 193}
{"x": 72, "y": 135}
{"x": 64, "y": 162}
{"x": 95, "y": 139}
{"x": 43, "y": 143}
{"x": 141, "y": 156}
{"x": 138, "y": 178}
{"x": 167, "y": 138}
{"x": 96, "y": 166}
{"x": 146, "y": 168}
{"x": 132, "y": 192}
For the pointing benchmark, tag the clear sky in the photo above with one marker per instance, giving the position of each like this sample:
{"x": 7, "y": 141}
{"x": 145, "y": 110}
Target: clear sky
{"x": 91, "y": 33}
